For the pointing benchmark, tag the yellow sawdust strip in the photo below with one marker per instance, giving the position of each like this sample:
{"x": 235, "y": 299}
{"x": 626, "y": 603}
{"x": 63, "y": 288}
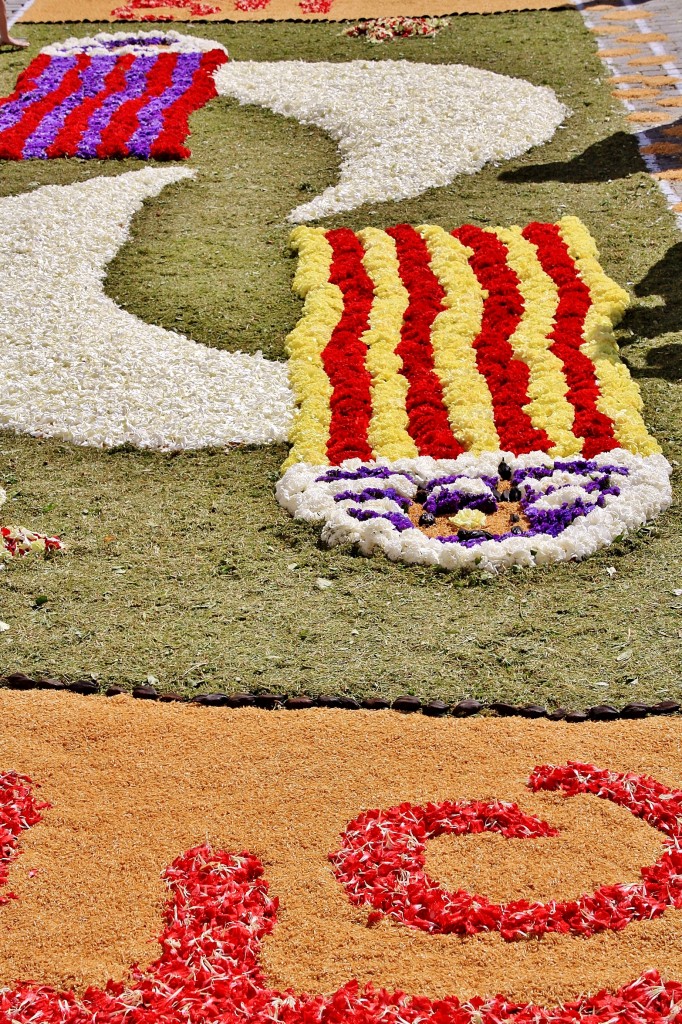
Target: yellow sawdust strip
{"x": 635, "y": 94}
{"x": 671, "y": 101}
{"x": 646, "y": 117}
{"x": 628, "y": 15}
{"x": 607, "y": 30}
{"x": 644, "y": 37}
{"x": 133, "y": 784}
{"x": 620, "y": 51}
{"x": 677, "y": 207}
{"x": 100, "y": 10}
{"x": 663, "y": 149}
{"x": 638, "y": 77}
{"x": 642, "y": 62}
{"x": 669, "y": 175}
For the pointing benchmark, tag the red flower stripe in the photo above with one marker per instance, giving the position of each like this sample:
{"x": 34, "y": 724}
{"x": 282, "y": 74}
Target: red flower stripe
{"x": 381, "y": 861}
{"x": 574, "y": 303}
{"x": 123, "y": 125}
{"x": 18, "y": 811}
{"x": 169, "y": 144}
{"x": 507, "y": 376}
{"x": 13, "y": 140}
{"x": 220, "y": 911}
{"x": 428, "y": 426}
{"x": 66, "y": 142}
{"x": 27, "y": 79}
{"x": 343, "y": 358}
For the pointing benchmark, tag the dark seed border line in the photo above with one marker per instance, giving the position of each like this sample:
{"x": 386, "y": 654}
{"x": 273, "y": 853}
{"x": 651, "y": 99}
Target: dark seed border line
{"x": 404, "y": 705}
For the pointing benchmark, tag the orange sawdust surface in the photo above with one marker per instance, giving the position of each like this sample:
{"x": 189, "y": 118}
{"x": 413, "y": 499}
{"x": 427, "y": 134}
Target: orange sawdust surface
{"x": 133, "y": 784}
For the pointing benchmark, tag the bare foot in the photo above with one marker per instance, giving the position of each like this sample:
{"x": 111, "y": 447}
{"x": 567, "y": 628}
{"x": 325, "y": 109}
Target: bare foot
{"x": 20, "y": 44}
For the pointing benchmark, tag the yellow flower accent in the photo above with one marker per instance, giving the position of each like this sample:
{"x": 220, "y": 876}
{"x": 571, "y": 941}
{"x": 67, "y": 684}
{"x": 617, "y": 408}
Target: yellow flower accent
{"x": 387, "y": 433}
{"x": 465, "y": 390}
{"x": 468, "y": 519}
{"x": 548, "y": 408}
{"x": 322, "y": 311}
{"x": 620, "y": 398}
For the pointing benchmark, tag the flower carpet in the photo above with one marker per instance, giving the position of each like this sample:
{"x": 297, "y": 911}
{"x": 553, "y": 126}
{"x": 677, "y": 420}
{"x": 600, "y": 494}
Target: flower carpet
{"x": 109, "y": 97}
{"x": 366, "y": 315}
{"x": 340, "y": 394}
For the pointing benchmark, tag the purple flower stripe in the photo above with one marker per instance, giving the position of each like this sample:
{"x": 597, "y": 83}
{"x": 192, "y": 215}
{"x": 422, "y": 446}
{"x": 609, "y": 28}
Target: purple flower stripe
{"x": 92, "y": 81}
{"x": 363, "y": 473}
{"x": 579, "y": 466}
{"x": 49, "y": 81}
{"x": 400, "y": 522}
{"x": 370, "y": 493}
{"x": 136, "y": 83}
{"x": 151, "y": 117}
{"x": 114, "y": 44}
{"x": 490, "y": 481}
{"x": 448, "y": 502}
{"x": 549, "y": 522}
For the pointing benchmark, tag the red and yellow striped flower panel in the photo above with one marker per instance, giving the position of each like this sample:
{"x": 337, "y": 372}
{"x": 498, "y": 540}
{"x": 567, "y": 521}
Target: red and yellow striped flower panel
{"x": 419, "y": 341}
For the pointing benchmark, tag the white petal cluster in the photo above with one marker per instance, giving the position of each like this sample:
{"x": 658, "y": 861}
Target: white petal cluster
{"x": 77, "y": 367}
{"x": 644, "y": 492}
{"x": 401, "y": 127}
{"x": 139, "y": 43}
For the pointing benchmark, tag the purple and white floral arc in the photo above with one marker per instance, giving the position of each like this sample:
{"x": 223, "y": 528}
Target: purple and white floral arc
{"x": 568, "y": 508}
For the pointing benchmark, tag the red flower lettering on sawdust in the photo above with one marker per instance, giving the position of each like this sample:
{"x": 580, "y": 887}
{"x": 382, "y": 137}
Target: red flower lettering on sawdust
{"x": 130, "y": 11}
{"x": 220, "y": 910}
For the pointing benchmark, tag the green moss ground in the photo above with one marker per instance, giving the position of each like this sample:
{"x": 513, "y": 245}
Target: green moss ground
{"x": 207, "y": 583}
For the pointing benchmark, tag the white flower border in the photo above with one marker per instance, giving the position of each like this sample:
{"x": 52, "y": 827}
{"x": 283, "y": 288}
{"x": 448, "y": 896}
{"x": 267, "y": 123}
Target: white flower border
{"x": 401, "y": 127}
{"x": 645, "y": 492}
{"x": 174, "y": 42}
{"x": 78, "y": 367}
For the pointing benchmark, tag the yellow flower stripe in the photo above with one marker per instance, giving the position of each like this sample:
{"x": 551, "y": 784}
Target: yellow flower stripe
{"x": 465, "y": 390}
{"x": 548, "y": 408}
{"x": 387, "y": 433}
{"x": 321, "y": 313}
{"x": 620, "y": 398}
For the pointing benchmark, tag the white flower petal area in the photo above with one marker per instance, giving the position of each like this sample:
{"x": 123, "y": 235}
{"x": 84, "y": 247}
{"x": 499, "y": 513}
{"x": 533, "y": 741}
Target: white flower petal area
{"x": 77, "y": 367}
{"x": 401, "y": 127}
{"x": 570, "y": 507}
